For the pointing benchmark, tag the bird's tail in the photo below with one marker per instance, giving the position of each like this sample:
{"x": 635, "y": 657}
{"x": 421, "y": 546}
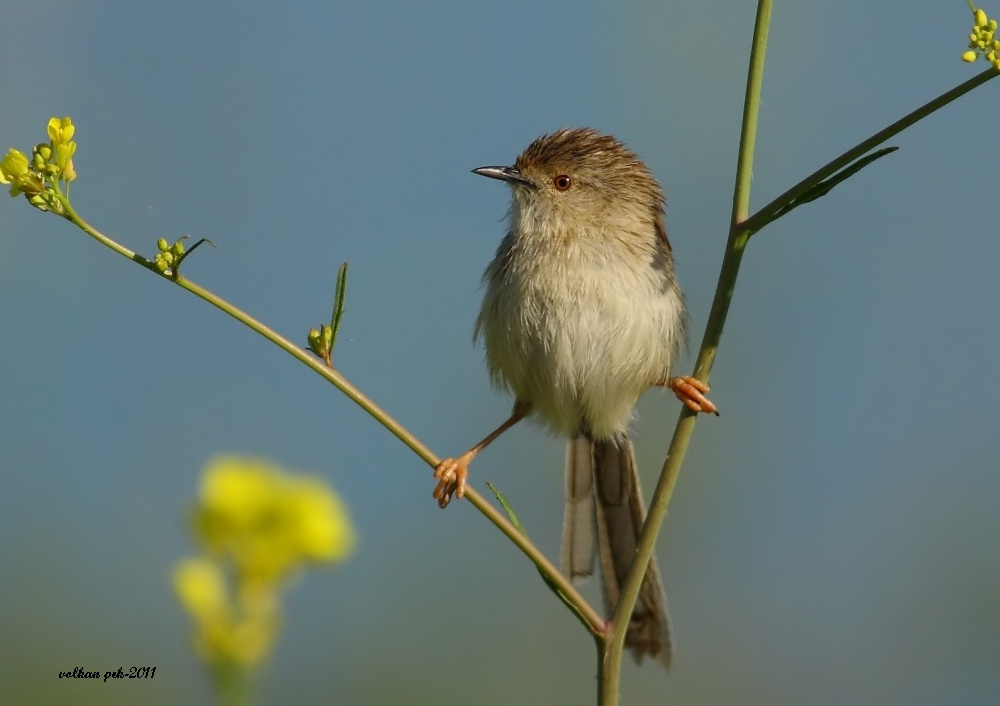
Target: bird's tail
{"x": 604, "y": 507}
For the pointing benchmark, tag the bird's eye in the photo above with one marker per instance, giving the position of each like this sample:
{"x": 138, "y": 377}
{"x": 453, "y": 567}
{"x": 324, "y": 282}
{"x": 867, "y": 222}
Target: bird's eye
{"x": 562, "y": 182}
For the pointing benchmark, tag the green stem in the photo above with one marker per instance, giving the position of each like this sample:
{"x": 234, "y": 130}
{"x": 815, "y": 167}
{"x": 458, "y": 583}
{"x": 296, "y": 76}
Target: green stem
{"x": 741, "y": 228}
{"x": 233, "y": 685}
{"x": 591, "y": 619}
{"x": 72, "y": 216}
{"x": 611, "y": 664}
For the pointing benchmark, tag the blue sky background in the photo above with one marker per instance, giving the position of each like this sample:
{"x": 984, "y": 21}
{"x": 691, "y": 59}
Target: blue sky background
{"x": 833, "y": 537}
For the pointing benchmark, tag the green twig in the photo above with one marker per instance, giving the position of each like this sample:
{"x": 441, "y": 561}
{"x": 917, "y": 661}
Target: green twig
{"x": 823, "y": 188}
{"x": 233, "y": 684}
{"x": 767, "y": 213}
{"x": 183, "y": 255}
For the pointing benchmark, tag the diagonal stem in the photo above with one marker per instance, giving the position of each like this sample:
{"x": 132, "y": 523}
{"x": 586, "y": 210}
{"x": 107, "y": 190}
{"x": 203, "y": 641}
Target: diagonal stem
{"x": 591, "y": 619}
{"x": 767, "y": 213}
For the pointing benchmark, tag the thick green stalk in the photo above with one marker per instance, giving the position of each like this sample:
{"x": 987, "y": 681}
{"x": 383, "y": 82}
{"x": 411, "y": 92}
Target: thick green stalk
{"x": 741, "y": 228}
{"x": 611, "y": 663}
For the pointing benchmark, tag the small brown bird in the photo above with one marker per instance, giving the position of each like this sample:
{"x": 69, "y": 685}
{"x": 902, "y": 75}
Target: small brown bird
{"x": 582, "y": 314}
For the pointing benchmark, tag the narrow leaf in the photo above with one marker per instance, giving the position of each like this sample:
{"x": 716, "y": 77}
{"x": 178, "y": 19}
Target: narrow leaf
{"x": 511, "y": 515}
{"x": 516, "y": 521}
{"x": 823, "y": 188}
{"x": 338, "y": 304}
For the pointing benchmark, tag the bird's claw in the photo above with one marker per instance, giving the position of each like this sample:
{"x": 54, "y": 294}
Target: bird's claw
{"x": 690, "y": 391}
{"x": 451, "y": 475}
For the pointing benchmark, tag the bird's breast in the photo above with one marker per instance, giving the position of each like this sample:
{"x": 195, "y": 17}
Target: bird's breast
{"x": 576, "y": 333}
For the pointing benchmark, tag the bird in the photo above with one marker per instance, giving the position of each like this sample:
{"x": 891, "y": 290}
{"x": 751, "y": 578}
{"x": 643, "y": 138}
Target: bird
{"x": 582, "y": 313}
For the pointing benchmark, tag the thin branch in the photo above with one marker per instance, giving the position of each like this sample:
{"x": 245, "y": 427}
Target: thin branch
{"x": 767, "y": 213}
{"x": 594, "y": 622}
{"x": 824, "y": 187}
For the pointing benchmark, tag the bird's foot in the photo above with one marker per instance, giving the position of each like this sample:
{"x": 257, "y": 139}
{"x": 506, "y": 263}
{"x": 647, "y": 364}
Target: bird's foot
{"x": 691, "y": 391}
{"x": 451, "y": 475}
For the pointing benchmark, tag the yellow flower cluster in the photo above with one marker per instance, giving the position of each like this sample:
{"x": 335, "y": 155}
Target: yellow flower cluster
{"x": 257, "y": 525}
{"x": 50, "y": 163}
{"x": 982, "y": 41}
{"x": 230, "y": 631}
{"x": 268, "y": 522}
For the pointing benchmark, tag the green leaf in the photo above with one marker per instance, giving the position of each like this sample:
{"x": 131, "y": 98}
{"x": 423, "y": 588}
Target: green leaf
{"x": 338, "y": 304}
{"x": 511, "y": 515}
{"x": 823, "y": 188}
{"x": 515, "y": 520}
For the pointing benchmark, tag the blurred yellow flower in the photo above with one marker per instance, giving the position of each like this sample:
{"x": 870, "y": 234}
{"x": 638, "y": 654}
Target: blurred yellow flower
{"x": 257, "y": 525}
{"x": 201, "y": 587}
{"x": 321, "y": 528}
{"x": 268, "y": 522}
{"x": 226, "y": 632}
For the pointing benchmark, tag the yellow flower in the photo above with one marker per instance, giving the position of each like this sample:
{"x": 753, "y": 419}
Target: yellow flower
{"x": 268, "y": 522}
{"x": 982, "y": 39}
{"x": 60, "y": 130}
{"x": 319, "y": 523}
{"x": 14, "y": 166}
{"x": 50, "y": 163}
{"x": 235, "y": 492}
{"x": 226, "y": 632}
{"x": 64, "y": 153}
{"x": 14, "y": 170}
{"x": 201, "y": 587}
{"x": 257, "y": 525}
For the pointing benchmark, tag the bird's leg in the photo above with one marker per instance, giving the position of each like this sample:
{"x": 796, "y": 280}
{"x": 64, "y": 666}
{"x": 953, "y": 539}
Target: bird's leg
{"x": 451, "y": 473}
{"x": 690, "y": 391}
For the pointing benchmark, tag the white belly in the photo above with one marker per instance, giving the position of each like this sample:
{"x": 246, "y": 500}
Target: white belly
{"x": 581, "y": 346}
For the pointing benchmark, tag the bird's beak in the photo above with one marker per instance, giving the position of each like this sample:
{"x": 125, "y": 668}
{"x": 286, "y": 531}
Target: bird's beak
{"x": 511, "y": 175}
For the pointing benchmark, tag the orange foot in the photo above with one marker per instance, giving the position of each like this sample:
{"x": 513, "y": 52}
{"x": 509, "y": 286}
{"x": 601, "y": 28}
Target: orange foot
{"x": 451, "y": 475}
{"x": 690, "y": 391}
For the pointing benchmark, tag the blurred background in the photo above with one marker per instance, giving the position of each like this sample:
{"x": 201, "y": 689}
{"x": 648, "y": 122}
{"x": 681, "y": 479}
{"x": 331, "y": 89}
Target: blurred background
{"x": 834, "y": 534}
